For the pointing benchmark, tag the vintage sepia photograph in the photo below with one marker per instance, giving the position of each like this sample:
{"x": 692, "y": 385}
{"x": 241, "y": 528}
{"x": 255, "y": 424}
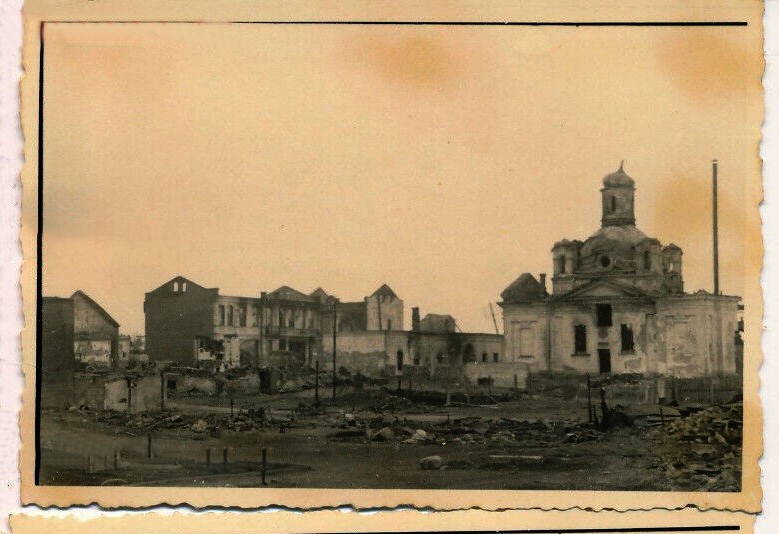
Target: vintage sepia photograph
{"x": 391, "y": 254}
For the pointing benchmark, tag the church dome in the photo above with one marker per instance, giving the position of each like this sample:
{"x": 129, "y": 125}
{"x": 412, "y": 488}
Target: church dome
{"x": 618, "y": 179}
{"x": 611, "y": 247}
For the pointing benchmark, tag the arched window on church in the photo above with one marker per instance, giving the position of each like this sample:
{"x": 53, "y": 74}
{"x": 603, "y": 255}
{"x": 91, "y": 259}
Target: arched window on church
{"x": 561, "y": 265}
{"x": 647, "y": 260}
{"x": 613, "y": 204}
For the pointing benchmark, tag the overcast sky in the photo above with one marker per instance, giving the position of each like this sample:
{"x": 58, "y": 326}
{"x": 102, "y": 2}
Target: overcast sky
{"x": 444, "y": 161}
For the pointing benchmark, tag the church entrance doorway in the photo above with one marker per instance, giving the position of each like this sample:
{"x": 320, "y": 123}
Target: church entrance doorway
{"x": 604, "y": 360}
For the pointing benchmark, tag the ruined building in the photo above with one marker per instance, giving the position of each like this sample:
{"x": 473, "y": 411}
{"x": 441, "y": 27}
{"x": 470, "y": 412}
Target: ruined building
{"x": 193, "y": 325}
{"x": 76, "y": 332}
{"x": 618, "y": 304}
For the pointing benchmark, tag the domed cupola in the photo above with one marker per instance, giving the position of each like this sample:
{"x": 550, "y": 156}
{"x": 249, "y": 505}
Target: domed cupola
{"x": 617, "y": 198}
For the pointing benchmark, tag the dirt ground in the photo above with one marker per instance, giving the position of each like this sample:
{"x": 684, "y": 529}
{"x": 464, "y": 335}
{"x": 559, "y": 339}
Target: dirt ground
{"x": 530, "y": 443}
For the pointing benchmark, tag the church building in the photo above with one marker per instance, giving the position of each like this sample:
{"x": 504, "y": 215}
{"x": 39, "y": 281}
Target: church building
{"x": 618, "y": 305}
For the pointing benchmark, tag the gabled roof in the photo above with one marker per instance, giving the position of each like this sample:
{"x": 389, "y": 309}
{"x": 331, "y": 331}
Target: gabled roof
{"x": 319, "y": 293}
{"x": 96, "y": 306}
{"x": 180, "y": 279}
{"x": 287, "y": 293}
{"x": 617, "y": 289}
{"x": 384, "y": 291}
{"x": 524, "y": 289}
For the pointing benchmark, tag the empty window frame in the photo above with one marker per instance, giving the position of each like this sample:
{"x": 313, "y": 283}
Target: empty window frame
{"x": 647, "y": 260}
{"x": 580, "y": 339}
{"x": 526, "y": 343}
{"x": 626, "y": 337}
{"x": 221, "y": 315}
{"x": 495, "y": 357}
{"x": 242, "y": 315}
{"x": 230, "y": 315}
{"x": 561, "y": 265}
{"x": 603, "y": 312}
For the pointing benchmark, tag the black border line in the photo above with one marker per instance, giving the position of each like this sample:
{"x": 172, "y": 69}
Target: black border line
{"x": 39, "y": 237}
{"x": 627, "y": 530}
{"x": 39, "y": 266}
{"x": 582, "y": 23}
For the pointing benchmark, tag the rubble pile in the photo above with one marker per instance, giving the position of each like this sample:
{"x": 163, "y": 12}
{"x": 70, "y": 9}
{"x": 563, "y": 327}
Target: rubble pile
{"x": 466, "y": 431}
{"x": 200, "y": 424}
{"x": 705, "y": 448}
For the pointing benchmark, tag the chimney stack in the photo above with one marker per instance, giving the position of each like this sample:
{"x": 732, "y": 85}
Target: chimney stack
{"x": 415, "y": 319}
{"x": 715, "y": 226}
{"x": 542, "y": 279}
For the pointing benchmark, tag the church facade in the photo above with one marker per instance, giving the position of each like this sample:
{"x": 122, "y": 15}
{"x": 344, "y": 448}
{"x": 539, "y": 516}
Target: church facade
{"x": 618, "y": 305}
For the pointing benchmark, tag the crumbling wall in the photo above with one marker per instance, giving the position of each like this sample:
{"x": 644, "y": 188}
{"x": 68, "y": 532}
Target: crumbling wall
{"x": 525, "y": 328}
{"x": 367, "y": 353}
{"x": 202, "y": 384}
{"x": 638, "y": 317}
{"x": 696, "y": 335}
{"x": 87, "y": 390}
{"x": 145, "y": 394}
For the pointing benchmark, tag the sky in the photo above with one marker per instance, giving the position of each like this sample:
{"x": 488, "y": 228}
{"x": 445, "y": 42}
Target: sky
{"x": 444, "y": 161}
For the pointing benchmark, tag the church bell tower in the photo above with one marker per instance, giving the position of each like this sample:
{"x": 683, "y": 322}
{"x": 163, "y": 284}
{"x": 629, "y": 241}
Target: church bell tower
{"x": 617, "y": 199}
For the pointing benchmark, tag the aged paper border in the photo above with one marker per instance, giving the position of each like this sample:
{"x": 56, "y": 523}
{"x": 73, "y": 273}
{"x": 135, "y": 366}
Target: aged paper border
{"x": 39, "y": 11}
{"x": 399, "y": 521}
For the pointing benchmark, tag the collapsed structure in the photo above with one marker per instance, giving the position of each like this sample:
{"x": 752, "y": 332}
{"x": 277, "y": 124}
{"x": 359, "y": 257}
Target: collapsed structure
{"x": 618, "y": 304}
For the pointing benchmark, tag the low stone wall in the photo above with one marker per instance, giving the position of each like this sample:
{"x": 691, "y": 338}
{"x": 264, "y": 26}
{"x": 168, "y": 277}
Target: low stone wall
{"x": 244, "y": 385}
{"x": 369, "y": 364}
{"x": 503, "y": 374}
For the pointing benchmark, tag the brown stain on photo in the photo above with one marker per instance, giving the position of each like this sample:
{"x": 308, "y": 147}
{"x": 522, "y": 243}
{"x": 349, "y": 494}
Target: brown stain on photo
{"x": 705, "y": 65}
{"x": 416, "y": 60}
{"x": 683, "y": 207}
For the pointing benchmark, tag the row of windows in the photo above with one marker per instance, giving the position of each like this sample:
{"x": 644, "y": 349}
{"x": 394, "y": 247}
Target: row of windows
{"x": 646, "y": 262}
{"x": 580, "y": 338}
{"x": 228, "y": 314}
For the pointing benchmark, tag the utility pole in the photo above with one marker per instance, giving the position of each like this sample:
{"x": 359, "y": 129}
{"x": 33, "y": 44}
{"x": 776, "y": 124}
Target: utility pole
{"x": 715, "y": 226}
{"x": 335, "y": 329}
{"x": 261, "y": 324}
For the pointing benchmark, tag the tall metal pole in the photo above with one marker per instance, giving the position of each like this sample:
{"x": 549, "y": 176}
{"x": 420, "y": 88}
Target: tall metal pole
{"x": 494, "y": 322}
{"x": 335, "y": 326}
{"x": 715, "y": 225}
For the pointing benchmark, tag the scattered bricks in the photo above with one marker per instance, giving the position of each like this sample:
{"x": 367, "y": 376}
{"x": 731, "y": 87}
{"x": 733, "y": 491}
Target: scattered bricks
{"x": 200, "y": 426}
{"x": 431, "y": 463}
{"x": 385, "y": 434}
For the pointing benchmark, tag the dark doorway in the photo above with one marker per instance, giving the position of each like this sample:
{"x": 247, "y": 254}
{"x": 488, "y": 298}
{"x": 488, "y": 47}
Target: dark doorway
{"x": 604, "y": 360}
{"x": 400, "y": 360}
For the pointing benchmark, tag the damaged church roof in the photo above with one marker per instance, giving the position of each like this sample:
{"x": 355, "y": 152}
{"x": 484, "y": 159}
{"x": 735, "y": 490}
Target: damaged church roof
{"x": 526, "y": 288}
